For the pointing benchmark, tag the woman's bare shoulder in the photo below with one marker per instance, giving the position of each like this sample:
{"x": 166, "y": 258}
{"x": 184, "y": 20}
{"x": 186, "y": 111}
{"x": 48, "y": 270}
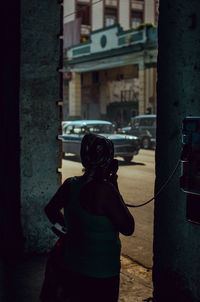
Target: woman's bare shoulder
{"x": 106, "y": 187}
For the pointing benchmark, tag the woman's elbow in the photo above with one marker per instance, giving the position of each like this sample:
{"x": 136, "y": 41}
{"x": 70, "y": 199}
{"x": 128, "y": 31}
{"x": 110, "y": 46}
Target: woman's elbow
{"x": 129, "y": 230}
{"x": 49, "y": 213}
{"x": 46, "y": 210}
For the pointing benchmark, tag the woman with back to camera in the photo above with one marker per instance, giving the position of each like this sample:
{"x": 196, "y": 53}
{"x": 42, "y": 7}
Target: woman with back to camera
{"x": 94, "y": 215}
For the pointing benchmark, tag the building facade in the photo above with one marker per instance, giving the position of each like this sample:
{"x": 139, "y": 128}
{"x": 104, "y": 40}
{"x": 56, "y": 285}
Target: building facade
{"x": 124, "y": 84}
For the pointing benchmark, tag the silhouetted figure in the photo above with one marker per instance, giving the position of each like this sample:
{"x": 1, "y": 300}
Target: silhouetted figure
{"x": 94, "y": 215}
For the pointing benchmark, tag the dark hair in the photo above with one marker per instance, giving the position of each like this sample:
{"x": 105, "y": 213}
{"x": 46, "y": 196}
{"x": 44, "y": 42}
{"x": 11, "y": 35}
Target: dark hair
{"x": 96, "y": 153}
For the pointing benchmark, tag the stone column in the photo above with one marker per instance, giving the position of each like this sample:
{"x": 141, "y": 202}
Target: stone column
{"x": 39, "y": 118}
{"x": 97, "y": 8}
{"x": 75, "y": 96}
{"x": 149, "y": 11}
{"x": 141, "y": 76}
{"x": 176, "y": 271}
{"x": 149, "y": 88}
{"x": 124, "y": 15}
{"x": 104, "y": 99}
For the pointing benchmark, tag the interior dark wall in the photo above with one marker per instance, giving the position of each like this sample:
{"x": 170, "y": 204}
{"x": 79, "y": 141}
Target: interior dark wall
{"x": 11, "y": 237}
{"x": 10, "y": 224}
{"x": 176, "y": 272}
{"x": 29, "y": 121}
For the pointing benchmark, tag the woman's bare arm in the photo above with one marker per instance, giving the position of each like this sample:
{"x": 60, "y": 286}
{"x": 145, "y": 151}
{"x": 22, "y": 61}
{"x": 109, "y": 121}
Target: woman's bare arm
{"x": 116, "y": 210}
{"x": 57, "y": 202}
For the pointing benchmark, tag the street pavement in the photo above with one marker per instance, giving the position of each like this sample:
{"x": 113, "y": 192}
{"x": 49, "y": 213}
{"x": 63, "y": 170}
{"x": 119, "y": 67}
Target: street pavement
{"x": 136, "y": 184}
{"x": 24, "y": 283}
{"x": 135, "y": 282}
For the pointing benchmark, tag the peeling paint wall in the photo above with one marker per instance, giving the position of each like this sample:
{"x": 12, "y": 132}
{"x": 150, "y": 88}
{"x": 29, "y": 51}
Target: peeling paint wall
{"x": 39, "y": 117}
{"x": 176, "y": 271}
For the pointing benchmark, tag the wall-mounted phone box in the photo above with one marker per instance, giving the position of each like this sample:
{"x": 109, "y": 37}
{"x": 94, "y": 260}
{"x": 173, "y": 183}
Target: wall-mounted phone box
{"x": 190, "y": 156}
{"x": 190, "y": 167}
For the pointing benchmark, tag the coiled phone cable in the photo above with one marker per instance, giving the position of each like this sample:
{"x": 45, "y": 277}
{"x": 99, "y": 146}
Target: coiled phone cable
{"x": 159, "y": 191}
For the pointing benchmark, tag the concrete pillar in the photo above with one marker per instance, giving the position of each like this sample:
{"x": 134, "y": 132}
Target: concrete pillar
{"x": 147, "y": 87}
{"x": 124, "y": 14}
{"x": 104, "y": 98}
{"x": 149, "y": 11}
{"x": 154, "y": 99}
{"x": 75, "y": 96}
{"x": 141, "y": 76}
{"x": 69, "y": 9}
{"x": 151, "y": 82}
{"x": 97, "y": 14}
{"x": 39, "y": 118}
{"x": 176, "y": 271}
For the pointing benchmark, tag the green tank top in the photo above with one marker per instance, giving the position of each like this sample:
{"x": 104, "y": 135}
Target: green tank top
{"x": 93, "y": 246}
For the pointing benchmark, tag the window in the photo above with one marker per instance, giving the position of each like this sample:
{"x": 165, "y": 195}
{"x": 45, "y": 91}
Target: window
{"x": 136, "y": 18}
{"x": 95, "y": 77}
{"x": 68, "y": 130}
{"x": 110, "y": 16}
{"x": 79, "y": 130}
{"x": 147, "y": 122}
{"x": 135, "y": 122}
{"x": 129, "y": 96}
{"x": 98, "y": 128}
{"x": 83, "y": 12}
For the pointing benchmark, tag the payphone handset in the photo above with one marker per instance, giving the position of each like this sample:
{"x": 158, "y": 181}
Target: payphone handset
{"x": 190, "y": 156}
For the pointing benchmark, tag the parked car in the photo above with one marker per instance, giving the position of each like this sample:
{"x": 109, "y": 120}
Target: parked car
{"x": 125, "y": 146}
{"x": 143, "y": 126}
{"x": 64, "y": 123}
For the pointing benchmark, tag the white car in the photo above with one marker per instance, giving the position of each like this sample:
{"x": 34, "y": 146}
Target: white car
{"x": 125, "y": 146}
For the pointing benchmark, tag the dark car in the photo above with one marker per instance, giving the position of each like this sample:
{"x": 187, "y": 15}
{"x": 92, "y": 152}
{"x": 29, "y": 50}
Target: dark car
{"x": 125, "y": 146}
{"x": 143, "y": 126}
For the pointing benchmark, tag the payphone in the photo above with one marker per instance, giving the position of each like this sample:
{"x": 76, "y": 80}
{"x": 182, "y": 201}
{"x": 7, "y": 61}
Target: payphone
{"x": 190, "y": 166}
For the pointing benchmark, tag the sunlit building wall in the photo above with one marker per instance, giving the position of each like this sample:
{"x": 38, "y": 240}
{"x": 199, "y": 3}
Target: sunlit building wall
{"x": 109, "y": 85}
{"x": 97, "y": 14}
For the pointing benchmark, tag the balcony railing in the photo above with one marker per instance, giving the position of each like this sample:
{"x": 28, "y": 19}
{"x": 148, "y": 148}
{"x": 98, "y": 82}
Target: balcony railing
{"x": 112, "y": 3}
{"x": 85, "y": 30}
{"x": 84, "y": 1}
{"x": 137, "y": 5}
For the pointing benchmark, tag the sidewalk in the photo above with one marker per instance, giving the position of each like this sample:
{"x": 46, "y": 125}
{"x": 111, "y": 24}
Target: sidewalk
{"x": 135, "y": 285}
{"x": 135, "y": 282}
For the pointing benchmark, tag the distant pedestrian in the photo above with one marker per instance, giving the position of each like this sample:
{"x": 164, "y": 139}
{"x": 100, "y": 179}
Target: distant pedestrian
{"x": 94, "y": 215}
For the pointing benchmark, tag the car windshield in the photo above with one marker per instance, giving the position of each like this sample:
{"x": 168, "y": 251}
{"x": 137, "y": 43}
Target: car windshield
{"x": 100, "y": 128}
{"x": 93, "y": 128}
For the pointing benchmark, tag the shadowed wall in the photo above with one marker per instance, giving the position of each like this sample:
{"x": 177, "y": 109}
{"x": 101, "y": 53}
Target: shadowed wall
{"x": 10, "y": 223}
{"x": 39, "y": 117}
{"x": 29, "y": 122}
{"x": 176, "y": 272}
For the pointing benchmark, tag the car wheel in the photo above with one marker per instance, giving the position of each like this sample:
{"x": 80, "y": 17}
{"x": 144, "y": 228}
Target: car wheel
{"x": 146, "y": 143}
{"x": 128, "y": 159}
